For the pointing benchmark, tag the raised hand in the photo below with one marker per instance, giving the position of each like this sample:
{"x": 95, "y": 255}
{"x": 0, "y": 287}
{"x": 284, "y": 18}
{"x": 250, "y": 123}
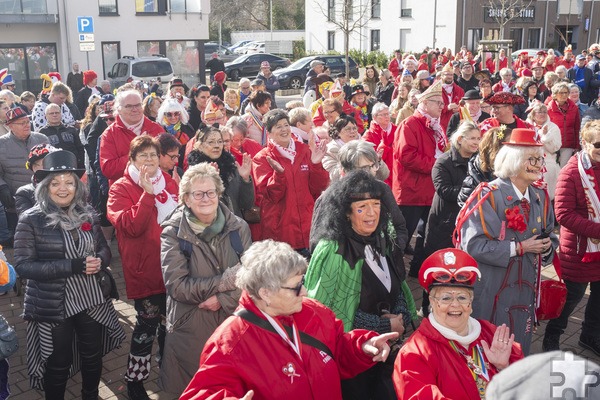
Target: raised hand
{"x": 499, "y": 352}
{"x": 145, "y": 182}
{"x": 246, "y": 168}
{"x": 275, "y": 165}
{"x": 318, "y": 152}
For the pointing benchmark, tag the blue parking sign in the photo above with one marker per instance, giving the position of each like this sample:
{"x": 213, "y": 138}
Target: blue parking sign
{"x": 85, "y": 24}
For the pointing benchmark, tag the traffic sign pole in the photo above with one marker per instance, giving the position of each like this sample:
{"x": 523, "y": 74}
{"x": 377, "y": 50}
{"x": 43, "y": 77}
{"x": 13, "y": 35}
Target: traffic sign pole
{"x": 85, "y": 27}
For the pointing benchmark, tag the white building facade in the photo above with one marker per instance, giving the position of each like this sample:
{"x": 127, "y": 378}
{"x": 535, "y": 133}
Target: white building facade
{"x": 39, "y": 36}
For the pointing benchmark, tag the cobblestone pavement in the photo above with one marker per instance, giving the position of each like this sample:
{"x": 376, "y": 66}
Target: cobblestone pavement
{"x": 112, "y": 385}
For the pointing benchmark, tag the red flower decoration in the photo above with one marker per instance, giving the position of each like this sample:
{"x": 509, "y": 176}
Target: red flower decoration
{"x": 509, "y": 198}
{"x": 516, "y": 220}
{"x": 86, "y": 226}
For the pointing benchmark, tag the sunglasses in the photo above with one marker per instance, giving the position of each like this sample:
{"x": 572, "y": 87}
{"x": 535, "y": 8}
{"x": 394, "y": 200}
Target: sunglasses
{"x": 172, "y": 114}
{"x": 447, "y": 276}
{"x": 596, "y": 145}
{"x": 298, "y": 287}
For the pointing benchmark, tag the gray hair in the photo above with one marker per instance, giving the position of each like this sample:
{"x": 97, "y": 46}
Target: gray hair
{"x": 8, "y": 95}
{"x": 379, "y": 107}
{"x": 268, "y": 265}
{"x": 558, "y": 87}
{"x": 50, "y": 107}
{"x": 351, "y": 152}
{"x": 562, "y": 69}
{"x": 238, "y": 123}
{"x": 122, "y": 95}
{"x": 574, "y": 86}
{"x": 171, "y": 105}
{"x": 386, "y": 73}
{"x": 463, "y": 129}
{"x": 244, "y": 80}
{"x": 505, "y": 72}
{"x": 299, "y": 114}
{"x": 78, "y": 212}
{"x": 509, "y": 160}
{"x": 199, "y": 172}
{"x": 539, "y": 106}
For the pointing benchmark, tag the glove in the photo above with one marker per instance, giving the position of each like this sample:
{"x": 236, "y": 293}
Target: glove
{"x": 7, "y": 200}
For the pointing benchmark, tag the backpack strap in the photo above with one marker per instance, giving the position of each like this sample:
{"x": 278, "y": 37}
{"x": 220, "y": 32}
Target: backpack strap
{"x": 236, "y": 243}
{"x": 304, "y": 337}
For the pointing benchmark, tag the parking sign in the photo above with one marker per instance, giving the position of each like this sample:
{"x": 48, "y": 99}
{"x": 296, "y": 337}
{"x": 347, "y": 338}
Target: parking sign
{"x": 85, "y": 24}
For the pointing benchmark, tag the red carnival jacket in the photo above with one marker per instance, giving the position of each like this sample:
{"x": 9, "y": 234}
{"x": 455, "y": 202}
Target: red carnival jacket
{"x": 414, "y": 155}
{"x": 286, "y": 200}
{"x": 568, "y": 121}
{"x": 575, "y": 226}
{"x": 241, "y": 356}
{"x": 457, "y": 94}
{"x": 383, "y": 141}
{"x": 319, "y": 118}
{"x": 133, "y": 213}
{"x": 427, "y": 367}
{"x": 114, "y": 146}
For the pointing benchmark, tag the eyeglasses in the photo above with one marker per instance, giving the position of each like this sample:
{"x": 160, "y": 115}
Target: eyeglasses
{"x": 130, "y": 107}
{"x": 350, "y": 129}
{"x": 199, "y": 194}
{"x": 245, "y": 87}
{"x": 439, "y": 103}
{"x": 213, "y": 143}
{"x": 462, "y": 299}
{"x": 596, "y": 145}
{"x": 373, "y": 167}
{"x": 173, "y": 157}
{"x": 53, "y": 113}
{"x": 563, "y": 93}
{"x": 24, "y": 123}
{"x": 533, "y": 161}
{"x": 298, "y": 287}
{"x": 147, "y": 156}
{"x": 327, "y": 112}
{"x": 172, "y": 114}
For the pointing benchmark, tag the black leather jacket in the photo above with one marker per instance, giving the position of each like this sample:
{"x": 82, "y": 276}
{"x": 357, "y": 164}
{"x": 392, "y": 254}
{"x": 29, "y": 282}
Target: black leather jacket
{"x": 474, "y": 177}
{"x": 40, "y": 258}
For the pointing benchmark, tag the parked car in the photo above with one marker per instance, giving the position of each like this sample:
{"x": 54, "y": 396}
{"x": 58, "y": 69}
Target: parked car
{"x": 142, "y": 69}
{"x": 222, "y": 51}
{"x": 532, "y": 53}
{"x": 259, "y": 47}
{"x": 238, "y": 44}
{"x": 244, "y": 48}
{"x": 249, "y": 65}
{"x": 294, "y": 76}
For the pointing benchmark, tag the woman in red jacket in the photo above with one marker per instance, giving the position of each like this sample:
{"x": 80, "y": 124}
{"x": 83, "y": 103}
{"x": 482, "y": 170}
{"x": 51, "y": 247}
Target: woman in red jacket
{"x": 564, "y": 113}
{"x": 578, "y": 212}
{"x": 137, "y": 204}
{"x": 289, "y": 177}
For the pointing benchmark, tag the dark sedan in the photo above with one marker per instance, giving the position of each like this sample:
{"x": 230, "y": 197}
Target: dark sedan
{"x": 249, "y": 65}
{"x": 294, "y": 76}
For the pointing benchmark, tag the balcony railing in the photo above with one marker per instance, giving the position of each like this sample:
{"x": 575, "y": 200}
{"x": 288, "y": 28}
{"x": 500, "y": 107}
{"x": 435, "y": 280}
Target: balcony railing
{"x": 28, "y": 11}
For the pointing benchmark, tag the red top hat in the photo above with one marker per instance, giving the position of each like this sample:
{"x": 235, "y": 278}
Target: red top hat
{"x": 523, "y": 137}
{"x": 505, "y": 98}
{"x": 449, "y": 267}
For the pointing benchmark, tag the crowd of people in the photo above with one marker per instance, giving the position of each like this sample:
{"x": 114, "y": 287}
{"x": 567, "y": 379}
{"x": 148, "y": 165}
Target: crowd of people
{"x": 263, "y": 244}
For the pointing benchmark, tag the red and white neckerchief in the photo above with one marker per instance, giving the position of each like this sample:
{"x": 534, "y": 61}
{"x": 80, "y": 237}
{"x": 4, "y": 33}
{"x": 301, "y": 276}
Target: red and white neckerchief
{"x": 287, "y": 152}
{"x": 294, "y": 341}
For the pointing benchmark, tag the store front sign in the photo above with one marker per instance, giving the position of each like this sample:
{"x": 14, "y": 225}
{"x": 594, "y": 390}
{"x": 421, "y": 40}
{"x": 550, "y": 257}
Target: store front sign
{"x": 495, "y": 14}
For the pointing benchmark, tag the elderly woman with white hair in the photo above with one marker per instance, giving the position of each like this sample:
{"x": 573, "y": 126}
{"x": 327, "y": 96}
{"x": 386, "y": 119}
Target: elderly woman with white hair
{"x": 565, "y": 113}
{"x": 385, "y": 87}
{"x": 174, "y": 118}
{"x": 549, "y": 134}
{"x": 510, "y": 234}
{"x": 202, "y": 242}
{"x": 281, "y": 344}
{"x": 381, "y": 134}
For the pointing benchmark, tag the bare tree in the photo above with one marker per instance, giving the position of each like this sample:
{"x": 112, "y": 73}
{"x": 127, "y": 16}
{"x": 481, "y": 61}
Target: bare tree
{"x": 504, "y": 11}
{"x": 347, "y": 18}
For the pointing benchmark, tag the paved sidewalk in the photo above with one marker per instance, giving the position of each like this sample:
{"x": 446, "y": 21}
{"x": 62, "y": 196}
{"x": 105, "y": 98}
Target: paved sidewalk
{"x": 112, "y": 385}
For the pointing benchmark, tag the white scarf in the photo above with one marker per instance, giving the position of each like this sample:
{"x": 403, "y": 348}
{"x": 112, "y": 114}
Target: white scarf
{"x": 505, "y": 87}
{"x": 165, "y": 202}
{"x": 584, "y": 165}
{"x": 300, "y": 134}
{"x": 289, "y": 152}
{"x": 135, "y": 128}
{"x": 464, "y": 341}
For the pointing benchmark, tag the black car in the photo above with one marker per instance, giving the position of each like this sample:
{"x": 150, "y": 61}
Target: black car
{"x": 249, "y": 65}
{"x": 294, "y": 76}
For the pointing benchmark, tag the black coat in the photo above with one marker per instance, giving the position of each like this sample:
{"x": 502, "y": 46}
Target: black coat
{"x": 25, "y": 198}
{"x": 455, "y": 121}
{"x": 474, "y": 177}
{"x": 448, "y": 174}
{"x": 384, "y": 94}
{"x": 40, "y": 258}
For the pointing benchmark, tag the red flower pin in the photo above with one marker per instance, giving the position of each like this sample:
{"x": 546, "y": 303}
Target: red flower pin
{"x": 516, "y": 220}
{"x": 86, "y": 226}
{"x": 509, "y": 198}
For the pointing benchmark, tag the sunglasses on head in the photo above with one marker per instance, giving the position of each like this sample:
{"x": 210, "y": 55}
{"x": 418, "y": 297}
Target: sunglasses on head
{"x": 447, "y": 276}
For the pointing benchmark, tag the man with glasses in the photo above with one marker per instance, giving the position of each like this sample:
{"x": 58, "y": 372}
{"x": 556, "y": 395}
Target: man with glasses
{"x": 503, "y": 112}
{"x": 419, "y": 142}
{"x": 244, "y": 89}
{"x": 270, "y": 80}
{"x": 14, "y": 151}
{"x": 466, "y": 80}
{"x": 129, "y": 123}
{"x": 61, "y": 136}
{"x": 451, "y": 93}
{"x": 585, "y": 79}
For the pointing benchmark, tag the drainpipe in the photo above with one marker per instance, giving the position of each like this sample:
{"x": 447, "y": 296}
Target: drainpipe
{"x": 591, "y": 20}
{"x": 545, "y": 26}
{"x": 434, "y": 22}
{"x": 68, "y": 40}
{"x": 463, "y": 30}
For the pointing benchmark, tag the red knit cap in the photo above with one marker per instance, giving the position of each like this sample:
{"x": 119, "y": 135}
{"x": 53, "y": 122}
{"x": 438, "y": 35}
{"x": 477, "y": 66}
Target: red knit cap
{"x": 89, "y": 76}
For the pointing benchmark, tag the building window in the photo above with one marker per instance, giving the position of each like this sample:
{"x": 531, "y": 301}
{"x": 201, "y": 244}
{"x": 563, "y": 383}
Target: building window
{"x": 375, "y": 8}
{"x": 330, "y": 10}
{"x": 493, "y": 34}
{"x": 533, "y": 37}
{"x": 185, "y": 6}
{"x": 405, "y": 9}
{"x": 28, "y": 62}
{"x": 150, "y": 7}
{"x": 23, "y": 7}
{"x": 111, "y": 52}
{"x": 473, "y": 38}
{"x": 404, "y": 36}
{"x": 516, "y": 34}
{"x": 331, "y": 40}
{"x": 108, "y": 7}
{"x": 375, "y": 42}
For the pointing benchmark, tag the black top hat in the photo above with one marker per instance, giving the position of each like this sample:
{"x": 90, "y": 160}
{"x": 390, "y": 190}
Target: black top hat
{"x": 57, "y": 162}
{"x": 357, "y": 89}
{"x": 472, "y": 95}
{"x": 175, "y": 82}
